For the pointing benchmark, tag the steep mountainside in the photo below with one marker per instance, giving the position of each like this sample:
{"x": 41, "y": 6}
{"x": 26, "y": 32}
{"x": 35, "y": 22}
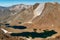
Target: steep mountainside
{"x": 49, "y": 18}
{"x": 38, "y": 17}
{"x": 8, "y": 13}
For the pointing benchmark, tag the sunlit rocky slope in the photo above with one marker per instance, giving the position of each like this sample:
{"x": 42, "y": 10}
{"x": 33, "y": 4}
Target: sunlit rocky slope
{"x": 40, "y": 16}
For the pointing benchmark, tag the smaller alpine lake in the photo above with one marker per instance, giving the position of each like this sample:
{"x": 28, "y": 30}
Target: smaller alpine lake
{"x": 15, "y": 27}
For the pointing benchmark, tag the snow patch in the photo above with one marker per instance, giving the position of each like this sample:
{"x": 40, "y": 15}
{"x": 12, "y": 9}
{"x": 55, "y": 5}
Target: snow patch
{"x": 29, "y": 22}
{"x": 52, "y": 25}
{"x": 13, "y": 13}
{"x": 9, "y": 22}
{"x": 39, "y": 10}
{"x": 5, "y": 31}
{"x": 28, "y": 38}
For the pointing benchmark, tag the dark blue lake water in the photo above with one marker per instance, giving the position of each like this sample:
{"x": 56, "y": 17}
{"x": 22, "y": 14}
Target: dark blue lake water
{"x": 16, "y": 27}
{"x": 35, "y": 34}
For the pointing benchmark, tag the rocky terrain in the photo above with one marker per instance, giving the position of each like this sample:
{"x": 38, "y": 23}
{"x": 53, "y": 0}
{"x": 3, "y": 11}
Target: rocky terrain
{"x": 40, "y": 16}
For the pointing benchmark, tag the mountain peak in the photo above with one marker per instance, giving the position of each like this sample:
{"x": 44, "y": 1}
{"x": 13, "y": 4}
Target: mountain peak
{"x": 35, "y": 5}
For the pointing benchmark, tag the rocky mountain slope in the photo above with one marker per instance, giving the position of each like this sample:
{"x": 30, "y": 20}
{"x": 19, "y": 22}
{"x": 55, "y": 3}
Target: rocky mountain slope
{"x": 7, "y": 12}
{"x": 48, "y": 19}
{"x": 39, "y": 16}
